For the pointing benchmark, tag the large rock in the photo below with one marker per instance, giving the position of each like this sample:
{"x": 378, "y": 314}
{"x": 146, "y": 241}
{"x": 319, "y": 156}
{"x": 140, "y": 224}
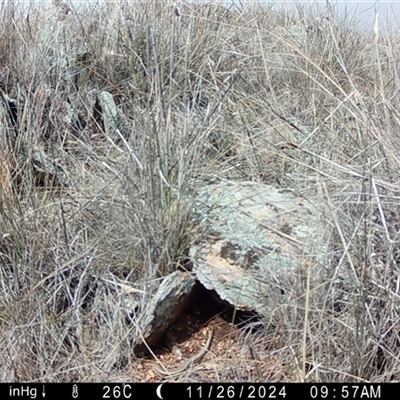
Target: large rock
{"x": 256, "y": 238}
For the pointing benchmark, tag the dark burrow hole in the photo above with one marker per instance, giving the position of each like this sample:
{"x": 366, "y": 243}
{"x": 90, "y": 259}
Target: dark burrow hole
{"x": 206, "y": 307}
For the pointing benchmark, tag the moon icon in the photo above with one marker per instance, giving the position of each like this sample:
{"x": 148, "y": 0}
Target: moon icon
{"x": 158, "y": 391}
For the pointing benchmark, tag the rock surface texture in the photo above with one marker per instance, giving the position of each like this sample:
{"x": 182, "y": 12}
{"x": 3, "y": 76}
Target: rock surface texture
{"x": 256, "y": 238}
{"x": 173, "y": 296}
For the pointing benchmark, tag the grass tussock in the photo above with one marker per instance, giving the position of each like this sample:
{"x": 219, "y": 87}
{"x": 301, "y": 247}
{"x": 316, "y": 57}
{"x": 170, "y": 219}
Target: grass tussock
{"x": 298, "y": 98}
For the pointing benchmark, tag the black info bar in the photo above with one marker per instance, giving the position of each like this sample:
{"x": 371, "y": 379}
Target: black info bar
{"x": 166, "y": 391}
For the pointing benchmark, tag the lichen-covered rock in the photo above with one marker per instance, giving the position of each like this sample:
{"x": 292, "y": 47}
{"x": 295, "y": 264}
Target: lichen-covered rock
{"x": 173, "y": 297}
{"x": 111, "y": 115}
{"x": 60, "y": 43}
{"x": 47, "y": 171}
{"x": 256, "y": 237}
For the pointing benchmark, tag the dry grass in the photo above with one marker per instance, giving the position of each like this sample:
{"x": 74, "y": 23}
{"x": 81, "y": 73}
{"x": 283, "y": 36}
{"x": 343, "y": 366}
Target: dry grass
{"x": 282, "y": 97}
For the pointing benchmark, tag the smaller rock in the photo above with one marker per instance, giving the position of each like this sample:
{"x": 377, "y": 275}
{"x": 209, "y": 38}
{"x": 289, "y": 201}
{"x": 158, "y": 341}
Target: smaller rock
{"x": 47, "y": 171}
{"x": 110, "y": 115}
{"x": 175, "y": 294}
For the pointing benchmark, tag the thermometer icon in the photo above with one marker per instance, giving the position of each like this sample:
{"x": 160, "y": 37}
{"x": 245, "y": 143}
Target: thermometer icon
{"x": 74, "y": 391}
